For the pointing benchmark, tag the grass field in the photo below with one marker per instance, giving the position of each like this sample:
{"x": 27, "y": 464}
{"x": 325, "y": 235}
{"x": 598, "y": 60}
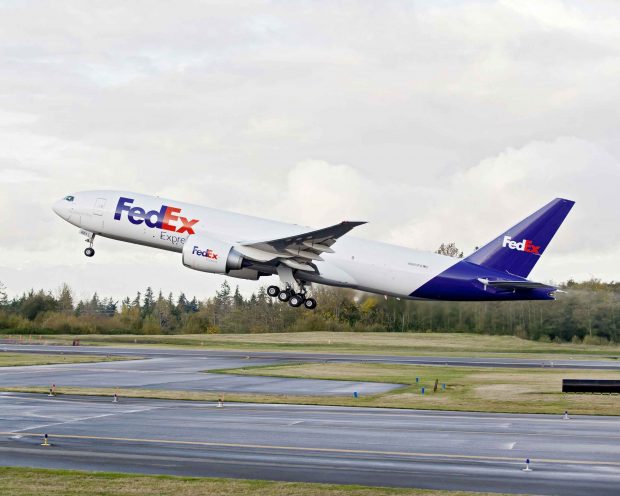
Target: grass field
{"x": 472, "y": 389}
{"x": 29, "y": 482}
{"x": 16, "y": 359}
{"x": 454, "y": 344}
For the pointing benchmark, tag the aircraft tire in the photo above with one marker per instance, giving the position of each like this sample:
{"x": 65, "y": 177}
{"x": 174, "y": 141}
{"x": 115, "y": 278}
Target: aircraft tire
{"x": 310, "y": 304}
{"x": 284, "y": 295}
{"x": 89, "y": 252}
{"x": 296, "y": 300}
{"x": 273, "y": 291}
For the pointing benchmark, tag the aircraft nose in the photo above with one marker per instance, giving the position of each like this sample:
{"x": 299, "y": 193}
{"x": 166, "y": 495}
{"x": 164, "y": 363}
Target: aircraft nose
{"x": 61, "y": 209}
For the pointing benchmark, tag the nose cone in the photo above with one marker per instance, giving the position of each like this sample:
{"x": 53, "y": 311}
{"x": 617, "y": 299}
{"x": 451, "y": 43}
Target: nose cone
{"x": 61, "y": 208}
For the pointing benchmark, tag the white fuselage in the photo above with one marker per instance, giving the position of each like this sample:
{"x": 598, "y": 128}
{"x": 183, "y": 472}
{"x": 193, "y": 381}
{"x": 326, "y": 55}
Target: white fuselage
{"x": 357, "y": 263}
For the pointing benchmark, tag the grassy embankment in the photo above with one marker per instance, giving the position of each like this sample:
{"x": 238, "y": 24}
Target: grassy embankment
{"x": 8, "y": 359}
{"x": 28, "y": 482}
{"x": 449, "y": 344}
{"x": 467, "y": 389}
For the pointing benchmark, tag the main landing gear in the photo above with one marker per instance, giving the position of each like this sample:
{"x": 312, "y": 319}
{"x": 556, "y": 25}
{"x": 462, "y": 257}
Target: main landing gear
{"x": 294, "y": 299}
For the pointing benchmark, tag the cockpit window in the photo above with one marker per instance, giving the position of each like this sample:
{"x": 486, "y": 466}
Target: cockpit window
{"x": 69, "y": 198}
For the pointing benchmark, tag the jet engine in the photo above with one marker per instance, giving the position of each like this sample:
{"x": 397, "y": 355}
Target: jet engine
{"x": 209, "y": 254}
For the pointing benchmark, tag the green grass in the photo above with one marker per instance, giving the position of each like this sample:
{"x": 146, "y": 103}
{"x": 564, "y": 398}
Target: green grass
{"x": 30, "y": 482}
{"x": 451, "y": 344}
{"x": 467, "y": 389}
{"x": 17, "y": 359}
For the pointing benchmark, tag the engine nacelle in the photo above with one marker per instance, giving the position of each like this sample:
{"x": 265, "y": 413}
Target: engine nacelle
{"x": 209, "y": 254}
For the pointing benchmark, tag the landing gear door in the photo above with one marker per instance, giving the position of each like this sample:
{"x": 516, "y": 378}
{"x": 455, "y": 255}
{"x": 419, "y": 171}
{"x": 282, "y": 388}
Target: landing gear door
{"x": 99, "y": 206}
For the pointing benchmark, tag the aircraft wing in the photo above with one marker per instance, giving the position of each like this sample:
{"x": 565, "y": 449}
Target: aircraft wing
{"x": 516, "y": 285}
{"x": 298, "y": 250}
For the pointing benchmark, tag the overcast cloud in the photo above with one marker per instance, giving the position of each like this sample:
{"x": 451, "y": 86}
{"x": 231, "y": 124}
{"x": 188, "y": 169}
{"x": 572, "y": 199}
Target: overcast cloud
{"x": 435, "y": 121}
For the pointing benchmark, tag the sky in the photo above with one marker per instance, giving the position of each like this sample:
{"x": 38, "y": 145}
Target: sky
{"x": 434, "y": 121}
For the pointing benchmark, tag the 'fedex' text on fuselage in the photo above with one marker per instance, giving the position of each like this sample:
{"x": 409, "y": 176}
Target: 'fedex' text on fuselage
{"x": 165, "y": 218}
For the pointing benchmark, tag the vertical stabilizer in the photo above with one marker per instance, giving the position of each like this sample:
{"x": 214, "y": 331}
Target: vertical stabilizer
{"x": 518, "y": 249}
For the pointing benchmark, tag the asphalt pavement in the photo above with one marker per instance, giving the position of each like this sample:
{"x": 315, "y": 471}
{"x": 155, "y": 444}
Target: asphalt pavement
{"x": 180, "y": 372}
{"x": 599, "y": 363}
{"x": 408, "y": 448}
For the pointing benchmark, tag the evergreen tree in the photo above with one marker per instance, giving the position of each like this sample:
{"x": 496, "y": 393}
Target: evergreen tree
{"x": 193, "y": 305}
{"x": 80, "y": 308}
{"x": 136, "y": 301}
{"x": 148, "y": 302}
{"x": 237, "y": 298}
{"x": 182, "y": 304}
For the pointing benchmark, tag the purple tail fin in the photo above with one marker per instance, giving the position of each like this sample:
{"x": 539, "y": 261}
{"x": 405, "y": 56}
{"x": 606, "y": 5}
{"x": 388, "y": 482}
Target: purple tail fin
{"x": 518, "y": 249}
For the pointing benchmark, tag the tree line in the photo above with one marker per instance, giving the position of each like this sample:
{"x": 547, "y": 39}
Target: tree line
{"x": 588, "y": 311}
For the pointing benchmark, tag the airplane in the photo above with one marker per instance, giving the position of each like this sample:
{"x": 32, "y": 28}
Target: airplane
{"x": 247, "y": 247}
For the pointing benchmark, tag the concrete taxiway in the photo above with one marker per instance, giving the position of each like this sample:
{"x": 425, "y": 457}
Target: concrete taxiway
{"x": 181, "y": 373}
{"x": 442, "y": 450}
{"x": 602, "y": 363}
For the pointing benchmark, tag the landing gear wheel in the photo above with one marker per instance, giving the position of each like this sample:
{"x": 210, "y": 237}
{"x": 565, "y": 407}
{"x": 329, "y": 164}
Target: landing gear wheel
{"x": 284, "y": 295}
{"x": 89, "y": 252}
{"x": 273, "y": 291}
{"x": 296, "y": 300}
{"x": 310, "y": 303}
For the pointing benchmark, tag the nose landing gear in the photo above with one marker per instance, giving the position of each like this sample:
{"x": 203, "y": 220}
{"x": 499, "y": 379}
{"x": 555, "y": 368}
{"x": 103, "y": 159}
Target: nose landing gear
{"x": 90, "y": 251}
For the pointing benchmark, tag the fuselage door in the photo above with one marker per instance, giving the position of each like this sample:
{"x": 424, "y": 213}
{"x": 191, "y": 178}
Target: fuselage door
{"x": 99, "y": 206}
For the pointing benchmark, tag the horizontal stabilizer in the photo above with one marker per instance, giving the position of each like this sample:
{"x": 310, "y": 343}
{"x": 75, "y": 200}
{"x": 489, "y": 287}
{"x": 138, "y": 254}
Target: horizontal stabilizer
{"x": 516, "y": 285}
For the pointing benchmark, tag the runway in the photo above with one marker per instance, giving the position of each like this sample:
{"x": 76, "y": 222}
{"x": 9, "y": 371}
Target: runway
{"x": 602, "y": 363}
{"x": 408, "y": 448}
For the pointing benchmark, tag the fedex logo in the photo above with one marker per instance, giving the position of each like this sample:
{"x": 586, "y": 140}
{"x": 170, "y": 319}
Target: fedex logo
{"x": 525, "y": 245}
{"x": 165, "y": 218}
{"x": 204, "y": 253}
